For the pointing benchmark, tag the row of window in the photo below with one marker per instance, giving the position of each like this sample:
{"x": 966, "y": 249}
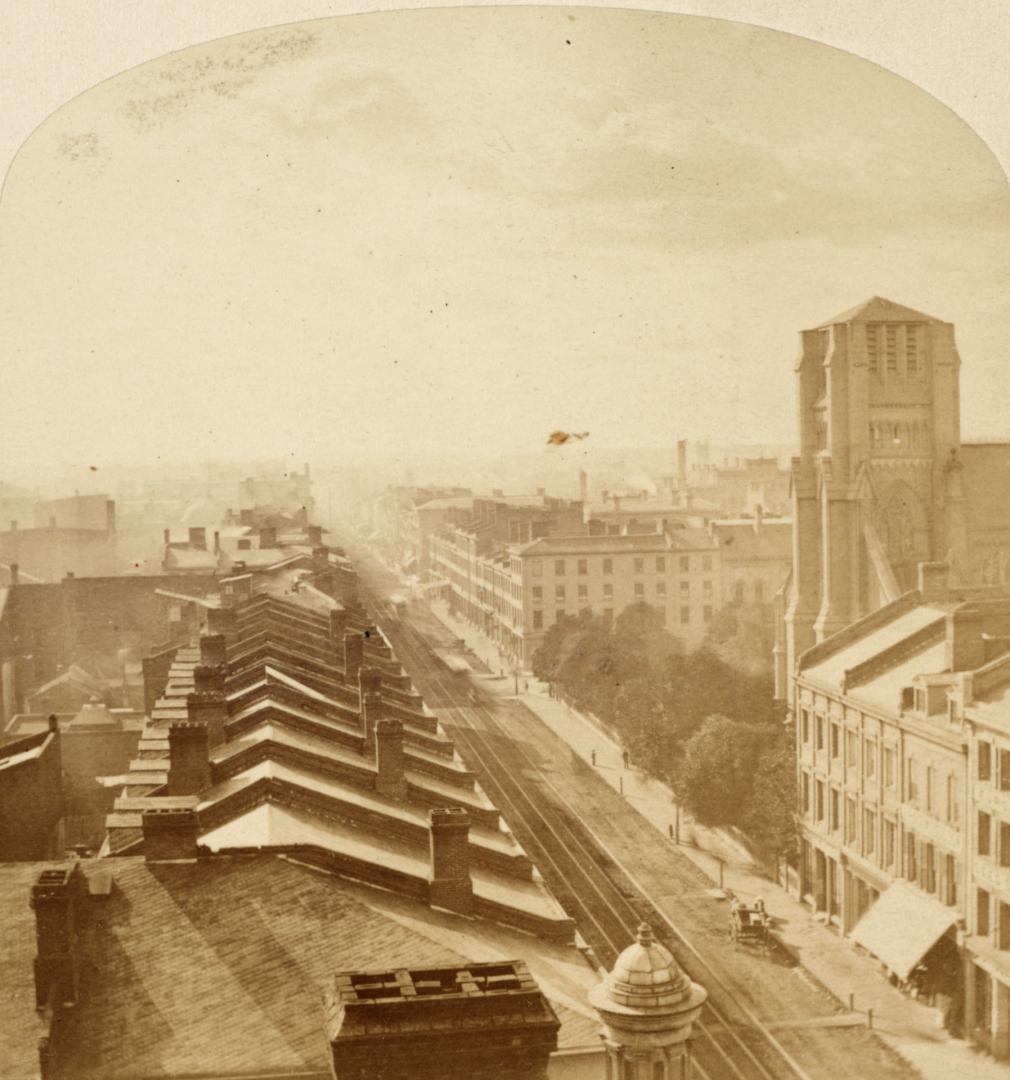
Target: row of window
{"x": 542, "y": 623}
{"x": 993, "y": 765}
{"x": 608, "y": 591}
{"x": 581, "y": 566}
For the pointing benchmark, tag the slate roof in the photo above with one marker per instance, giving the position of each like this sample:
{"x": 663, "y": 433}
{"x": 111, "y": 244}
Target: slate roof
{"x": 218, "y": 967}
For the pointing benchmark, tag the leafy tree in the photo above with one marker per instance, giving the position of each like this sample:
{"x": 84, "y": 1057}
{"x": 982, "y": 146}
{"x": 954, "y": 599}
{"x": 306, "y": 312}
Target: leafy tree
{"x": 715, "y": 776}
{"x": 743, "y": 635}
{"x": 770, "y": 819}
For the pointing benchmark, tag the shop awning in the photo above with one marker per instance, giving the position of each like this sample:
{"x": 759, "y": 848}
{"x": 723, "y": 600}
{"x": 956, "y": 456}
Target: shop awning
{"x": 902, "y": 926}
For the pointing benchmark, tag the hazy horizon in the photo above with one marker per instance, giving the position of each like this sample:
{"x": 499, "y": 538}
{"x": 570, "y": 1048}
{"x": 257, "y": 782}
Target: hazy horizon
{"x": 454, "y": 231}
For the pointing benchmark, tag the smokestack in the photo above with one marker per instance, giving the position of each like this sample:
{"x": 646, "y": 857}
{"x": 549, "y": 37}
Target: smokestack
{"x": 170, "y": 833}
{"x": 583, "y": 486}
{"x": 54, "y": 899}
{"x": 682, "y": 464}
{"x": 449, "y": 885}
{"x": 217, "y": 542}
{"x": 390, "y": 779}
{"x": 188, "y": 758}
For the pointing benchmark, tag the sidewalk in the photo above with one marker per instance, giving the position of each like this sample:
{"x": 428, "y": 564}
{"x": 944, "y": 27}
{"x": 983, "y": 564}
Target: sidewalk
{"x": 912, "y": 1029}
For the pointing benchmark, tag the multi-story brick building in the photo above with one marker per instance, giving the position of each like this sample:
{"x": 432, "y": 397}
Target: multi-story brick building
{"x": 516, "y": 593}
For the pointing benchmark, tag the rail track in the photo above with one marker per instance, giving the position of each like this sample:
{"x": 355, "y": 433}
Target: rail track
{"x": 730, "y": 1042}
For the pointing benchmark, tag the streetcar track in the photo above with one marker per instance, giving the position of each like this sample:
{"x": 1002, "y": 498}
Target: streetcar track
{"x": 477, "y": 741}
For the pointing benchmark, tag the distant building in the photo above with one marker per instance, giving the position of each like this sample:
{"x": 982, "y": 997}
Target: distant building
{"x": 76, "y": 535}
{"x": 288, "y": 494}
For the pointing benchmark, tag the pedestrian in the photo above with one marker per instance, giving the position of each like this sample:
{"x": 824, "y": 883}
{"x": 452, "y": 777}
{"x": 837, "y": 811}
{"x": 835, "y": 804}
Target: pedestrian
{"x": 592, "y": 754}
{"x": 626, "y": 757}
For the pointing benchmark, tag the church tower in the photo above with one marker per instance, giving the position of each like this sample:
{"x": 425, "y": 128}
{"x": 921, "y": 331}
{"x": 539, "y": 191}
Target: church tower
{"x": 875, "y": 487}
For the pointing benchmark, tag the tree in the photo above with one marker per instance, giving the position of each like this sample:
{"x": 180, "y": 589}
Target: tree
{"x": 715, "y": 774}
{"x": 770, "y": 819}
{"x": 641, "y": 722}
{"x": 743, "y": 635}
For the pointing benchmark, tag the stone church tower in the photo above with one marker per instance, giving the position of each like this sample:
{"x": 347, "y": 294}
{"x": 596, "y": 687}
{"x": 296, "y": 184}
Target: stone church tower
{"x": 876, "y": 487}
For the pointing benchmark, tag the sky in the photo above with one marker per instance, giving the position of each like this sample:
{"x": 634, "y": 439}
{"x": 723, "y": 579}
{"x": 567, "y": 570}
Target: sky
{"x": 455, "y": 231}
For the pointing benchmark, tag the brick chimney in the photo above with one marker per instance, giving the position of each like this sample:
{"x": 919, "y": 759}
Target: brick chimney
{"x": 198, "y": 538}
{"x": 222, "y": 621}
{"x": 373, "y": 710}
{"x": 213, "y": 650}
{"x": 389, "y": 778}
{"x": 188, "y": 758}
{"x": 449, "y": 884}
{"x": 170, "y": 833}
{"x": 55, "y": 897}
{"x": 338, "y": 627}
{"x": 209, "y": 707}
{"x": 369, "y": 682}
{"x": 354, "y": 650}
{"x": 486, "y": 1021}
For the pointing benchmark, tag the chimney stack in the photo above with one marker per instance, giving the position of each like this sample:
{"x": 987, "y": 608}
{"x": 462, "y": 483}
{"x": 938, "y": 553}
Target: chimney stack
{"x": 198, "y": 538}
{"x": 354, "y": 650}
{"x": 208, "y": 679}
{"x": 167, "y": 534}
{"x": 54, "y": 899}
{"x": 217, "y": 542}
{"x": 170, "y": 833}
{"x": 373, "y": 709}
{"x": 15, "y": 573}
{"x": 369, "y": 682}
{"x": 338, "y": 627}
{"x": 583, "y": 486}
{"x": 390, "y": 779}
{"x": 449, "y": 885}
{"x": 223, "y": 621}
{"x": 759, "y": 517}
{"x": 682, "y": 464}
{"x": 213, "y": 650}
{"x": 314, "y": 535}
{"x": 268, "y": 536}
{"x": 188, "y": 758}
{"x": 209, "y": 707}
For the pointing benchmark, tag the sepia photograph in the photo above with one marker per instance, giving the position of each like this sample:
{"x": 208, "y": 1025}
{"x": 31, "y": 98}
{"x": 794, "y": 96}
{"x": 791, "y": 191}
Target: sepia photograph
{"x": 504, "y": 542}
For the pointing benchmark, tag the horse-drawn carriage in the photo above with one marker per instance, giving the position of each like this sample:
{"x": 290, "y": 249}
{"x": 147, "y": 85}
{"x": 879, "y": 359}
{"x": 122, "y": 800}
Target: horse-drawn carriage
{"x": 749, "y": 923}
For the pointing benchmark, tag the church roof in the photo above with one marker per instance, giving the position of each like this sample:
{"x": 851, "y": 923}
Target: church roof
{"x": 879, "y": 309}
